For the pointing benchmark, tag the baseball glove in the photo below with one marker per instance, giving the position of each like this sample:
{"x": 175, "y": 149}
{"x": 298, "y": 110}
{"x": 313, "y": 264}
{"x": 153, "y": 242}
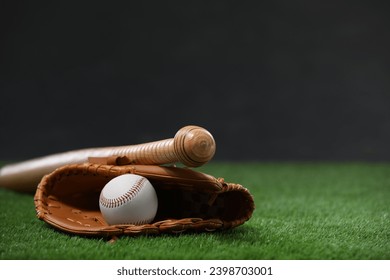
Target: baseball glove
{"x": 68, "y": 199}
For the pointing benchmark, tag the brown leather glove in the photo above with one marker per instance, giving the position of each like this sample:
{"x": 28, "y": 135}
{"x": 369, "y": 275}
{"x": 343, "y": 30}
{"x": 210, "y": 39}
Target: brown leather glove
{"x": 68, "y": 199}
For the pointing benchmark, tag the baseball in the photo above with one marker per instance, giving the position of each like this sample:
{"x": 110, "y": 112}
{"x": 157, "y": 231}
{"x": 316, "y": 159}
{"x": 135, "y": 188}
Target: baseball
{"x": 128, "y": 199}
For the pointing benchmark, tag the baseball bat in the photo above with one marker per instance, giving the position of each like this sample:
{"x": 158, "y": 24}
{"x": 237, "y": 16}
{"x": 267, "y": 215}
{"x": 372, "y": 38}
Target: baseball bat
{"x": 192, "y": 145}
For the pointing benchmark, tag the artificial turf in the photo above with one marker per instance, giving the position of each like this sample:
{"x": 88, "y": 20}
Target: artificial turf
{"x": 303, "y": 211}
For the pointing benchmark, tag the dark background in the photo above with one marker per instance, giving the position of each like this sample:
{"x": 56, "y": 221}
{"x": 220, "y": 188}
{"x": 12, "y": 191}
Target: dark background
{"x": 271, "y": 80}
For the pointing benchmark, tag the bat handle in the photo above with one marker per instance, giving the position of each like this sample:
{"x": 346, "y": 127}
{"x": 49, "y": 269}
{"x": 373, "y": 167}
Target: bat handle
{"x": 192, "y": 145}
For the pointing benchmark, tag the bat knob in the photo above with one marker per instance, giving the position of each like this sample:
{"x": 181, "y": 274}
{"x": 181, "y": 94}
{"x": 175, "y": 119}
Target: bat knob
{"x": 194, "y": 145}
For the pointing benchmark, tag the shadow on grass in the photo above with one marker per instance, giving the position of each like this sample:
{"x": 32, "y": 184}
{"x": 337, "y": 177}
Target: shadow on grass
{"x": 237, "y": 243}
{"x": 245, "y": 233}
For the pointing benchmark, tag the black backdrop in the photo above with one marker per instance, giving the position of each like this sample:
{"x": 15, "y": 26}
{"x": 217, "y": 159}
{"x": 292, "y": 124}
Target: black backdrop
{"x": 272, "y": 80}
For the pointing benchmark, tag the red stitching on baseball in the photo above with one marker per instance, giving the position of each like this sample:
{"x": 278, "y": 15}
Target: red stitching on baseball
{"x": 127, "y": 196}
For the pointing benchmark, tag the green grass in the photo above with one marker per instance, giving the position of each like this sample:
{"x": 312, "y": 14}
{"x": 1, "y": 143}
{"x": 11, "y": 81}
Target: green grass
{"x": 303, "y": 211}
